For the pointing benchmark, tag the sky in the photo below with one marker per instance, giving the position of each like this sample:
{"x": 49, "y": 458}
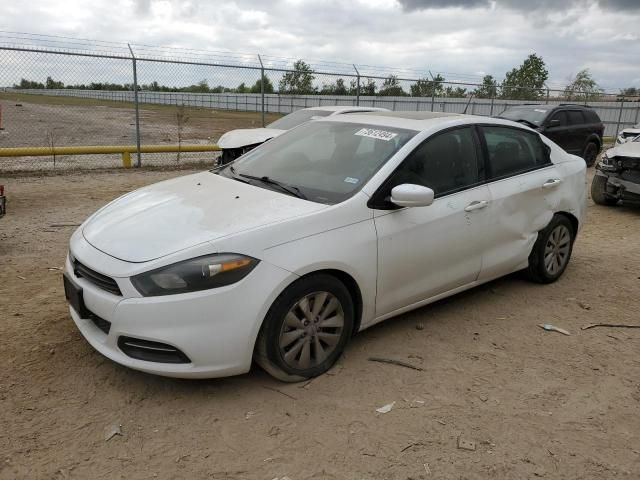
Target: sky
{"x": 465, "y": 39}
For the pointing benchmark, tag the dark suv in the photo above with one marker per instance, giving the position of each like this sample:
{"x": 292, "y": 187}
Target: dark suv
{"x": 576, "y": 128}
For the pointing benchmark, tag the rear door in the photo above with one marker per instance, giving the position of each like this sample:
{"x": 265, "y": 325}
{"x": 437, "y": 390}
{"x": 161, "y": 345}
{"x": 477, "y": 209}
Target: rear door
{"x": 523, "y": 184}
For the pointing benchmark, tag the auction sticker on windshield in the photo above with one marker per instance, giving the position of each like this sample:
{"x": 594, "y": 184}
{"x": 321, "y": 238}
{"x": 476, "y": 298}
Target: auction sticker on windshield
{"x": 377, "y": 134}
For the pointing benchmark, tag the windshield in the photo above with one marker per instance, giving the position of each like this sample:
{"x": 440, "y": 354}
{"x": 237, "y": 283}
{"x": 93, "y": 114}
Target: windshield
{"x": 326, "y": 162}
{"x": 296, "y": 118}
{"x": 533, "y": 115}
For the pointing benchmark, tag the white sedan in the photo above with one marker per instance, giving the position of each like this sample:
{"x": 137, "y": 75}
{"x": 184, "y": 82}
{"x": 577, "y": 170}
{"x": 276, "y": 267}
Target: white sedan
{"x": 283, "y": 255}
{"x": 238, "y": 142}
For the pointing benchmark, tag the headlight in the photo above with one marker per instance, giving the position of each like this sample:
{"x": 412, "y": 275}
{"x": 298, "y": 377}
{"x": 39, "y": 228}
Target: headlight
{"x": 201, "y": 273}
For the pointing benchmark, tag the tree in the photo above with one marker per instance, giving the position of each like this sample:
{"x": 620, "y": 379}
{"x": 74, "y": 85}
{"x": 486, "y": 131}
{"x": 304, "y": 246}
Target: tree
{"x": 337, "y": 88}
{"x": 25, "y": 84}
{"x": 428, "y": 88}
{"x": 527, "y": 81}
{"x": 455, "y": 92}
{"x": 630, "y": 92}
{"x": 488, "y": 89}
{"x": 52, "y": 84}
{"x": 369, "y": 88}
{"x": 242, "y": 88}
{"x": 298, "y": 81}
{"x": 391, "y": 87}
{"x": 582, "y": 86}
{"x": 257, "y": 87}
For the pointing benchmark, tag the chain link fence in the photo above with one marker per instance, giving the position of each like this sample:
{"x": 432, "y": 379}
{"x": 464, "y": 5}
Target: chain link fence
{"x": 112, "y": 94}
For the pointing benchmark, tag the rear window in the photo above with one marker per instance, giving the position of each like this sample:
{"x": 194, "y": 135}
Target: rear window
{"x": 296, "y": 118}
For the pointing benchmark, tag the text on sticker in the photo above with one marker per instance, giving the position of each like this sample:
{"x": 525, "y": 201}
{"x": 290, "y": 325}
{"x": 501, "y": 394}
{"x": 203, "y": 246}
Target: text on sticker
{"x": 377, "y": 134}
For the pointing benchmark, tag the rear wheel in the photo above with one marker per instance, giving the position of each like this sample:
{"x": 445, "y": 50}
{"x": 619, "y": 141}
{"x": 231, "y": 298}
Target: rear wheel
{"x": 552, "y": 251}
{"x": 590, "y": 154}
{"x": 306, "y": 329}
{"x": 599, "y": 191}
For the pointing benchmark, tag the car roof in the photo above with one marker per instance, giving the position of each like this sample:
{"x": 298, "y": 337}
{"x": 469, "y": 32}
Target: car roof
{"x": 550, "y": 106}
{"x": 340, "y": 108}
{"x": 418, "y": 121}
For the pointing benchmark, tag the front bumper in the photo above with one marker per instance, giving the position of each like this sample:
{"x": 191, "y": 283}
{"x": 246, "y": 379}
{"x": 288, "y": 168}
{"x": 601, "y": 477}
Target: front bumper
{"x": 216, "y": 329}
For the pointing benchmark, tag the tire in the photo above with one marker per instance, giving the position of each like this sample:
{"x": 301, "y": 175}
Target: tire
{"x": 599, "y": 191}
{"x": 552, "y": 251}
{"x": 590, "y": 153}
{"x": 306, "y": 329}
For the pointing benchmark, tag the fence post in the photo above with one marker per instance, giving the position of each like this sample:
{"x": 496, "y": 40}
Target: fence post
{"x": 547, "y": 100}
{"x": 262, "y": 86}
{"x": 357, "y": 85}
{"x": 434, "y": 85}
{"x": 493, "y": 99}
{"x": 135, "y": 99}
{"x": 619, "y": 119}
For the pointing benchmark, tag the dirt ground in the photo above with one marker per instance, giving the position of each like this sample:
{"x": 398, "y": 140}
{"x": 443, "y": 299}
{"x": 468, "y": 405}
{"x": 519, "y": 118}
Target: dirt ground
{"x": 536, "y": 403}
{"x": 41, "y": 121}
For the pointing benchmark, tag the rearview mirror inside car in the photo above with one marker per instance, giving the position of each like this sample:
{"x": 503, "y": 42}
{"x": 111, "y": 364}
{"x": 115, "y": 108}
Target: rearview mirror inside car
{"x": 410, "y": 195}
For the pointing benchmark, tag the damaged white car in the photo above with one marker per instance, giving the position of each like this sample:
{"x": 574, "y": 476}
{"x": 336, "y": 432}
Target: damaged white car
{"x": 618, "y": 175}
{"x": 238, "y": 142}
{"x": 628, "y": 134}
{"x": 283, "y": 255}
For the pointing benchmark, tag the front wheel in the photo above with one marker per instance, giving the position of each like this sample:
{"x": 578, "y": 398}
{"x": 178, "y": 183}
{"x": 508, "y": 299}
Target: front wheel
{"x": 599, "y": 191}
{"x": 552, "y": 251}
{"x": 306, "y": 329}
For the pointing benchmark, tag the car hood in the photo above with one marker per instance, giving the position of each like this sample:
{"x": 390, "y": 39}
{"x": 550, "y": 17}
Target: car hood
{"x": 628, "y": 149}
{"x": 169, "y": 216}
{"x": 247, "y": 136}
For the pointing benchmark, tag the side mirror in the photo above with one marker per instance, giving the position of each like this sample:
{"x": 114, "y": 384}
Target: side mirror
{"x": 554, "y": 123}
{"x": 409, "y": 195}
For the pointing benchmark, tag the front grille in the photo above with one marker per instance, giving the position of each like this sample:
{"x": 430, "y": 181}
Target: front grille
{"x": 151, "y": 351}
{"x": 98, "y": 279}
{"x": 101, "y": 323}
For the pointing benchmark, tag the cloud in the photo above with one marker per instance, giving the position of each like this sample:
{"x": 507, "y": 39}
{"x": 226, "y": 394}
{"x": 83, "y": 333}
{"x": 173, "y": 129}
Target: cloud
{"x": 521, "y": 5}
{"x": 494, "y": 37}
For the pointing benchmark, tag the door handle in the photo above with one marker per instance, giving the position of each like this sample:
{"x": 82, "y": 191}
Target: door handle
{"x": 476, "y": 205}
{"x": 552, "y": 182}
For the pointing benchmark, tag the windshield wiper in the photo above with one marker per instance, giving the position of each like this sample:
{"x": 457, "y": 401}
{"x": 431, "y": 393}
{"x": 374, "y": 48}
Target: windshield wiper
{"x": 234, "y": 175}
{"x": 290, "y": 189}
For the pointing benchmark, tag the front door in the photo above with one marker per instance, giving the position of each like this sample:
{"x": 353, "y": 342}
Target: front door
{"x": 426, "y": 251}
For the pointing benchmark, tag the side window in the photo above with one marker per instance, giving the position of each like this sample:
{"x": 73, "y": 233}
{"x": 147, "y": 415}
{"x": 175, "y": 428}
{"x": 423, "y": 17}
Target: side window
{"x": 575, "y": 117}
{"x": 591, "y": 116}
{"x": 445, "y": 163}
{"x": 561, "y": 117}
{"x": 512, "y": 151}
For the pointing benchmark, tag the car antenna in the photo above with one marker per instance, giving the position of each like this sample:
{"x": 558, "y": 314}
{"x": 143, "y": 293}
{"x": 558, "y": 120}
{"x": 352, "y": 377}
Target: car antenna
{"x": 467, "y": 105}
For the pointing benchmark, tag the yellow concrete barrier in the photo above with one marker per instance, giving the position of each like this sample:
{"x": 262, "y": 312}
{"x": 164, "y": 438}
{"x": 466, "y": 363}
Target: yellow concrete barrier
{"x": 124, "y": 150}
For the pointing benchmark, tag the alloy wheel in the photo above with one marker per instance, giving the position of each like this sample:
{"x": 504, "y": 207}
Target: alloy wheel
{"x": 556, "y": 251}
{"x": 311, "y": 330}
